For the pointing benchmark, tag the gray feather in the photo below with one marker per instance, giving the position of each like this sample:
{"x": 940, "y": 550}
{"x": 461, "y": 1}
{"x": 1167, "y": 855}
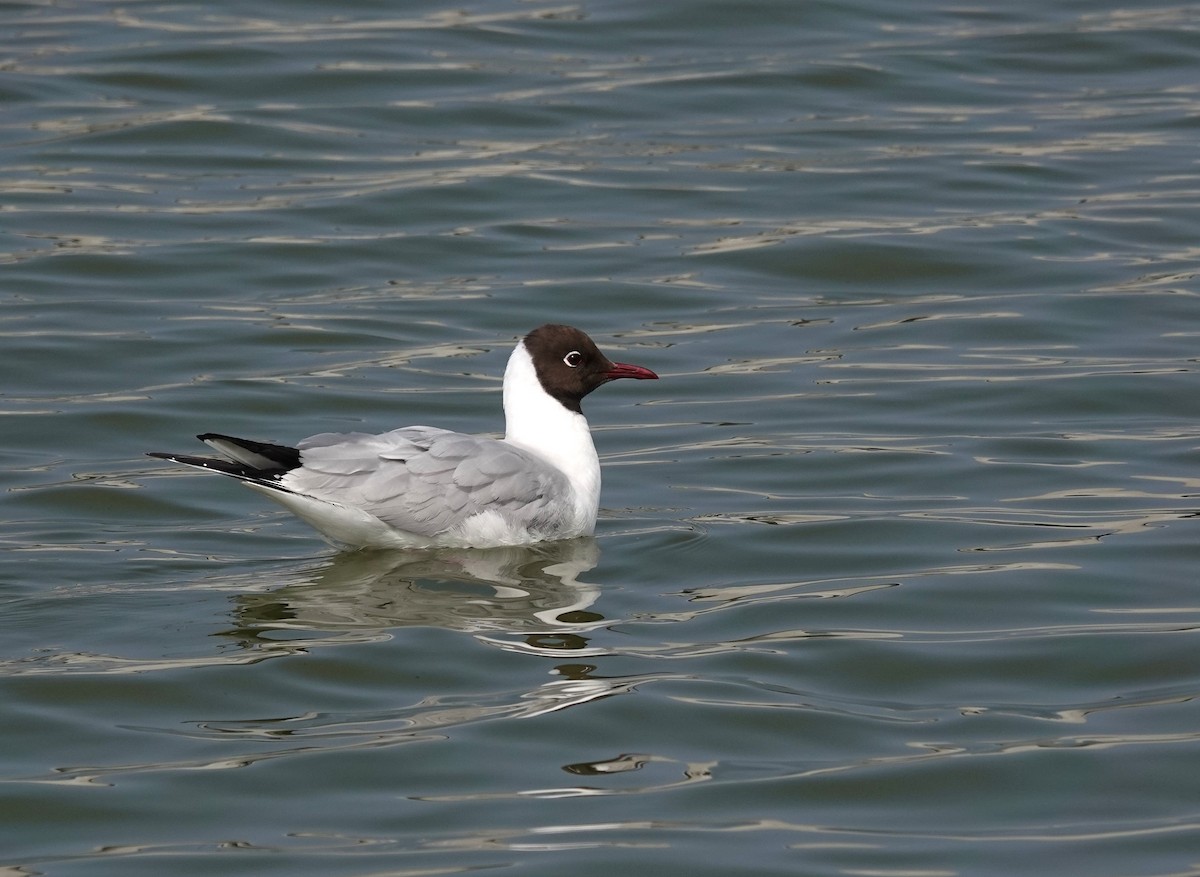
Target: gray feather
{"x": 424, "y": 480}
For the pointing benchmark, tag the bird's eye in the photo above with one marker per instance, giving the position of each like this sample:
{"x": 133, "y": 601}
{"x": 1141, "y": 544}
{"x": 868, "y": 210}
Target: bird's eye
{"x": 573, "y": 359}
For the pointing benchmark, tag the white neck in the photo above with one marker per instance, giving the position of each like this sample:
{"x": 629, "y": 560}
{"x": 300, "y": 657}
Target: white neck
{"x": 538, "y": 422}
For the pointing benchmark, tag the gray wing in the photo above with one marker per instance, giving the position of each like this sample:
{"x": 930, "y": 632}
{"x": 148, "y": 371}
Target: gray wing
{"x": 425, "y": 480}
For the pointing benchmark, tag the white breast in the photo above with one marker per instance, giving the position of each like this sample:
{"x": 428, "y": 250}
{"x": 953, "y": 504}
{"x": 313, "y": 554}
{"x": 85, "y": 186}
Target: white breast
{"x": 538, "y": 422}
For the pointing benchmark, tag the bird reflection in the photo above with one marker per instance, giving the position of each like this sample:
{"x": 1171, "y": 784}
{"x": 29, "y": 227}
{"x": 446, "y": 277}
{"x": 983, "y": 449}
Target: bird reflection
{"x": 533, "y": 590}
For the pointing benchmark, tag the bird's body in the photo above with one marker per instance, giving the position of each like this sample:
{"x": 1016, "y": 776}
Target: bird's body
{"x": 420, "y": 486}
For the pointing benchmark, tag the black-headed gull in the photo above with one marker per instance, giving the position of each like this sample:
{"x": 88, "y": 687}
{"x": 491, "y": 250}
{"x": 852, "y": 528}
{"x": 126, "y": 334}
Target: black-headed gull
{"x": 420, "y": 486}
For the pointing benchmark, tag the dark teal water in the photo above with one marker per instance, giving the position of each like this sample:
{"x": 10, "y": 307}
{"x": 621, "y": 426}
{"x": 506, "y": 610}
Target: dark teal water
{"x": 896, "y": 567}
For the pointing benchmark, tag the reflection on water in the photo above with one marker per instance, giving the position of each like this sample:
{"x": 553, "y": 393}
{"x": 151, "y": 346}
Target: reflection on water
{"x": 666, "y": 774}
{"x": 534, "y": 589}
{"x": 533, "y": 593}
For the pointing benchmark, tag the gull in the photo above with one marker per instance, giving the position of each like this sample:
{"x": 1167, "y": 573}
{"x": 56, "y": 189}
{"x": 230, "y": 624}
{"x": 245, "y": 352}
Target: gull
{"x": 425, "y": 487}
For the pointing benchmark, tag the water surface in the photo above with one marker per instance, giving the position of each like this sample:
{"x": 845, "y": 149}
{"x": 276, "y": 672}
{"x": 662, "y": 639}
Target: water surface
{"x": 895, "y": 567}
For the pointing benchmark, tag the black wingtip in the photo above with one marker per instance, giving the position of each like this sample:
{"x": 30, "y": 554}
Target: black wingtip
{"x": 268, "y": 477}
{"x": 280, "y": 456}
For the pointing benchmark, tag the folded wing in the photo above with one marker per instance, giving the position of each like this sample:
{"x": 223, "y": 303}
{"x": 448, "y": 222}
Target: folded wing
{"x": 428, "y": 481}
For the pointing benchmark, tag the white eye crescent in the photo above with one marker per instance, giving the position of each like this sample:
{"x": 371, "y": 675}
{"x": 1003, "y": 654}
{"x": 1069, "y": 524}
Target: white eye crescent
{"x": 573, "y": 359}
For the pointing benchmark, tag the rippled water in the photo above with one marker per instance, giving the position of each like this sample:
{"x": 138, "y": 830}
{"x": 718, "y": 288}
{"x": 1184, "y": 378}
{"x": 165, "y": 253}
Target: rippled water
{"x": 895, "y": 573}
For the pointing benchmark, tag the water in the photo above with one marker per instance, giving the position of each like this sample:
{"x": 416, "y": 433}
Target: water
{"x": 895, "y": 572}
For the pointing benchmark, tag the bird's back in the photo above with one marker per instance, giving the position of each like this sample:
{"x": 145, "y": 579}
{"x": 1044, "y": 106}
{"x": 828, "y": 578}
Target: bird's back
{"x": 439, "y": 485}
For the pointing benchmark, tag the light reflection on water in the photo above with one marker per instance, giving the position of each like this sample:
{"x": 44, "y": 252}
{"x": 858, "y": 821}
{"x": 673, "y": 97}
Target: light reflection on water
{"x": 894, "y": 571}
